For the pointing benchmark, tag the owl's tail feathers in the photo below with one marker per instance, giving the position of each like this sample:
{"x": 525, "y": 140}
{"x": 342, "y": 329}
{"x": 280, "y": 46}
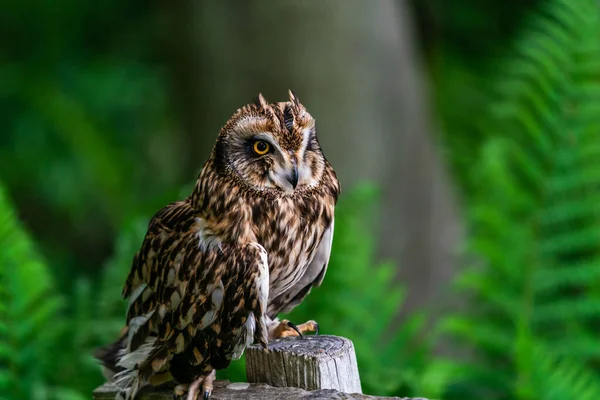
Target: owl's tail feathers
{"x": 128, "y": 384}
{"x": 120, "y": 366}
{"x": 109, "y": 356}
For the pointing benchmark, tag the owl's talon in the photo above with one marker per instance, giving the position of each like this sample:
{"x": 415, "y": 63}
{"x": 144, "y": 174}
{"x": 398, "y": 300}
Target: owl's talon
{"x": 294, "y": 327}
{"x": 309, "y": 326}
{"x": 204, "y": 383}
{"x": 285, "y": 328}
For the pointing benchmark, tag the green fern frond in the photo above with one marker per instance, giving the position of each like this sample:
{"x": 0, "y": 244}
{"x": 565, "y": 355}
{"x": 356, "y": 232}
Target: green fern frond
{"x": 29, "y": 311}
{"x": 555, "y": 378}
{"x": 45, "y": 346}
{"x": 534, "y": 224}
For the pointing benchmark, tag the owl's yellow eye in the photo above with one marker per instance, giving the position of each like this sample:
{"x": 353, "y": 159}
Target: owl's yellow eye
{"x": 261, "y": 148}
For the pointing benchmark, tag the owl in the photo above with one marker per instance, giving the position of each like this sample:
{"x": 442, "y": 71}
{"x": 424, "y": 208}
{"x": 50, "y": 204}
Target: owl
{"x": 215, "y": 270}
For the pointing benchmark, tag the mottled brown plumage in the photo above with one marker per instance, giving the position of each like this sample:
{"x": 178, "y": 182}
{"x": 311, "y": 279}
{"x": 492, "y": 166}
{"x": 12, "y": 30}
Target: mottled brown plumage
{"x": 215, "y": 269}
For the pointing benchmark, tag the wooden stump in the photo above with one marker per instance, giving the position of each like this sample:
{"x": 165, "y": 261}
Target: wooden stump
{"x": 309, "y": 363}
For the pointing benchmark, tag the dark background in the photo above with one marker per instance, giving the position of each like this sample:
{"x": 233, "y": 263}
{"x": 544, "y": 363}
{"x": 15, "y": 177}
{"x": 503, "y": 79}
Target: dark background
{"x": 465, "y": 134}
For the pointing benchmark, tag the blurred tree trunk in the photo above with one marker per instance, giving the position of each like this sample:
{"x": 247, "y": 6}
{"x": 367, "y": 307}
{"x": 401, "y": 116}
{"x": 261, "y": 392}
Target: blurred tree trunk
{"x": 354, "y": 65}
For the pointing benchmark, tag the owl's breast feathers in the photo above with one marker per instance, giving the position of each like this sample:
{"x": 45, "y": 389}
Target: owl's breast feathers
{"x": 295, "y": 230}
{"x": 193, "y": 306}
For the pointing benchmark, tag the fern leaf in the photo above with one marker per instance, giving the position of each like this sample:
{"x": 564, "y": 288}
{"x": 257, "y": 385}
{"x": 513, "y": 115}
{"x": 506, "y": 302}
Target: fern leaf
{"x": 534, "y": 222}
{"x": 30, "y": 308}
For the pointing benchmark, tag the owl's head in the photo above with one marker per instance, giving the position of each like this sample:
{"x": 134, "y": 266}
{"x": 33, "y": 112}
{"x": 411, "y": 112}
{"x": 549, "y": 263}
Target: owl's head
{"x": 271, "y": 146}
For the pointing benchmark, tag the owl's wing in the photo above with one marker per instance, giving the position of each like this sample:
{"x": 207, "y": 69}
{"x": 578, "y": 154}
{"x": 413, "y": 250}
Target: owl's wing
{"x": 313, "y": 277}
{"x": 177, "y": 289}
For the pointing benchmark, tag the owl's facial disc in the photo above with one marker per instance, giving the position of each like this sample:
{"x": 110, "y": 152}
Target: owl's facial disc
{"x": 273, "y": 146}
{"x": 279, "y": 167}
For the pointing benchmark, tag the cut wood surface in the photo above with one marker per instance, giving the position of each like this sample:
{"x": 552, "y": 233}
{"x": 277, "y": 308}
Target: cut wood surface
{"x": 309, "y": 363}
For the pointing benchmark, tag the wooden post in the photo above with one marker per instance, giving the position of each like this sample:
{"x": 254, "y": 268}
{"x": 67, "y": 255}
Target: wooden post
{"x": 314, "y": 367}
{"x": 309, "y": 363}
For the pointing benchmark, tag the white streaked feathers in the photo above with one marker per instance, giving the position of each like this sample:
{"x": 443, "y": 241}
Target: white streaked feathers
{"x": 261, "y": 284}
{"x": 127, "y": 380}
{"x": 262, "y": 278}
{"x": 129, "y": 360}
{"x": 217, "y": 302}
{"x": 250, "y": 329}
{"x": 315, "y": 269}
{"x": 306, "y": 175}
{"x": 207, "y": 239}
{"x": 134, "y": 326}
{"x": 245, "y": 340}
{"x": 136, "y": 294}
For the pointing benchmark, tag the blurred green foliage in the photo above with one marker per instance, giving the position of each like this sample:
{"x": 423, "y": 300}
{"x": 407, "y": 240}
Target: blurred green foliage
{"x": 47, "y": 337}
{"x": 528, "y": 171}
{"x": 86, "y": 106}
{"x": 83, "y": 105}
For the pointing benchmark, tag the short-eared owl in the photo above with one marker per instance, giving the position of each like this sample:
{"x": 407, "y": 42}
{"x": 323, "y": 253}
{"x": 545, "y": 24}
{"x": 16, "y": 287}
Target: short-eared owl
{"x": 215, "y": 269}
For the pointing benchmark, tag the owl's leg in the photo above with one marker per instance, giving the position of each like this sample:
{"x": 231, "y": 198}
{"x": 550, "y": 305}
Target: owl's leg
{"x": 285, "y": 328}
{"x": 204, "y": 383}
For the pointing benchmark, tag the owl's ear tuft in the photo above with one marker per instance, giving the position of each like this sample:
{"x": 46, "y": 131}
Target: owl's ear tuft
{"x": 260, "y": 101}
{"x": 293, "y": 99}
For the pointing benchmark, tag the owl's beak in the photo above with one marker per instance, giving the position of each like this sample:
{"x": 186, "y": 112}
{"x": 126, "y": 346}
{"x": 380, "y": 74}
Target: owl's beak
{"x": 293, "y": 175}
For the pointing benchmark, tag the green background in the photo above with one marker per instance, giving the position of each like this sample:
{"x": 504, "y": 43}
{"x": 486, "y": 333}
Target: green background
{"x": 98, "y": 134}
